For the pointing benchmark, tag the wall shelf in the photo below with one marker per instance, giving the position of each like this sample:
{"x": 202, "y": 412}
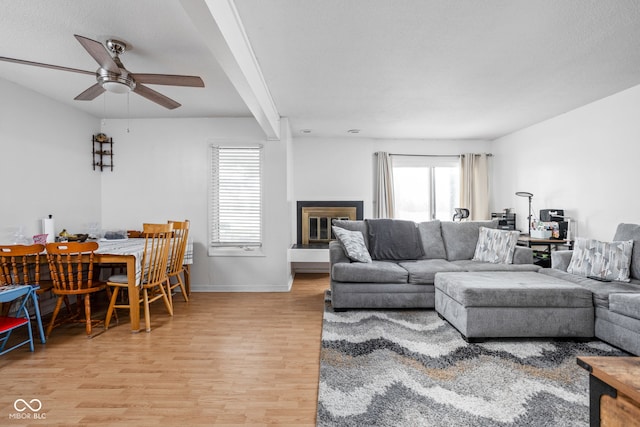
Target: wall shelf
{"x": 102, "y": 149}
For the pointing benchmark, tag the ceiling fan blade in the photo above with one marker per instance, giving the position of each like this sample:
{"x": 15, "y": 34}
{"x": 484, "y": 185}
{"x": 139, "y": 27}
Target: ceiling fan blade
{"x": 99, "y": 53}
{"x": 91, "y": 93}
{"x": 156, "y": 97}
{"x": 40, "y": 64}
{"x": 168, "y": 79}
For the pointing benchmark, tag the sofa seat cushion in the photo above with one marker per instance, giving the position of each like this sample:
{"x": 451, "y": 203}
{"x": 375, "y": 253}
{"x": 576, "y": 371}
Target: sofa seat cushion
{"x": 471, "y": 265}
{"x": 424, "y": 271}
{"x": 600, "y": 290}
{"x": 511, "y": 289}
{"x": 373, "y": 272}
{"x": 460, "y": 238}
{"x": 625, "y": 304}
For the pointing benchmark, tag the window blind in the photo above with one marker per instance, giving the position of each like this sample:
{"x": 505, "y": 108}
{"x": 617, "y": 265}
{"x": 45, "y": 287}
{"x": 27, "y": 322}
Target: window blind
{"x": 236, "y": 197}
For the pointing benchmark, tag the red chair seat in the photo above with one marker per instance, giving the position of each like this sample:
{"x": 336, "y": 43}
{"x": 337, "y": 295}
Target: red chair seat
{"x": 8, "y": 323}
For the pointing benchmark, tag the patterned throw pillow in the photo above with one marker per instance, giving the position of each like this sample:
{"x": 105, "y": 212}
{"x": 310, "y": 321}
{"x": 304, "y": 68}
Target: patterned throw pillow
{"x": 609, "y": 261}
{"x": 353, "y": 243}
{"x": 496, "y": 246}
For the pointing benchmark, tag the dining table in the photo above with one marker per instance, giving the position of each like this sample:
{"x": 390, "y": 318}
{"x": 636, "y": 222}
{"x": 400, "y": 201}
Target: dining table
{"x": 128, "y": 252}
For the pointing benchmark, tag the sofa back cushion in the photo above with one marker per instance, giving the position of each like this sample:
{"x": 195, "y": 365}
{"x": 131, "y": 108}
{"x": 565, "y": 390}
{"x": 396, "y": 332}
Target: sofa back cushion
{"x": 631, "y": 232}
{"x": 460, "y": 238}
{"x": 393, "y": 239}
{"x": 351, "y": 225}
{"x": 431, "y": 238}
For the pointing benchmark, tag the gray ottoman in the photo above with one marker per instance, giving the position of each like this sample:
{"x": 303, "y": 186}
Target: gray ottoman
{"x": 513, "y": 304}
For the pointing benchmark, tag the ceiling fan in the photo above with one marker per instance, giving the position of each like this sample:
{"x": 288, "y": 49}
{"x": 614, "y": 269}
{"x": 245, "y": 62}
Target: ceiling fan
{"x": 113, "y": 77}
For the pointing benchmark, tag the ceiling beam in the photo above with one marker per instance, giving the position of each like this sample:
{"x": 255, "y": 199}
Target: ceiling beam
{"x": 218, "y": 22}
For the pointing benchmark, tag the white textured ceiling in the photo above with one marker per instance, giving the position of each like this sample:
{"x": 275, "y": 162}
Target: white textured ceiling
{"x": 392, "y": 68}
{"x": 163, "y": 41}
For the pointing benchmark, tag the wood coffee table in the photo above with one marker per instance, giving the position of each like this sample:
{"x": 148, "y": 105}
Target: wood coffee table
{"x": 614, "y": 390}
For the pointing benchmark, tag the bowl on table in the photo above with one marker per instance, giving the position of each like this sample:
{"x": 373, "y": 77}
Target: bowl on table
{"x": 78, "y": 238}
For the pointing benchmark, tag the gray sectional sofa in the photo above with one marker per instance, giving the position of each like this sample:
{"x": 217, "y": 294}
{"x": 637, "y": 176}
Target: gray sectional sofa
{"x": 405, "y": 264}
{"x": 617, "y": 304}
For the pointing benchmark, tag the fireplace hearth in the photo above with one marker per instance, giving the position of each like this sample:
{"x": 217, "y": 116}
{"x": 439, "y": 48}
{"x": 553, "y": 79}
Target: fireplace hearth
{"x": 314, "y": 220}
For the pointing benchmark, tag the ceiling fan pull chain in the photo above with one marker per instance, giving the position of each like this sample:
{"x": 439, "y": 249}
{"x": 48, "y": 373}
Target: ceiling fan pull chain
{"x": 104, "y": 110}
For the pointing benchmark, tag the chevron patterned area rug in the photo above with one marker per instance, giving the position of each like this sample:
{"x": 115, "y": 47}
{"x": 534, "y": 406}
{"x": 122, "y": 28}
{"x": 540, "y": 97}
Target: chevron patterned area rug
{"x": 410, "y": 368}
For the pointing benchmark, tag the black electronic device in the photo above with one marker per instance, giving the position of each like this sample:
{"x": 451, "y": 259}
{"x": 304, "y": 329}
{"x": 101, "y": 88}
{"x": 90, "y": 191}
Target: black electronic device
{"x": 506, "y": 221}
{"x": 562, "y": 228}
{"x": 549, "y": 215}
{"x": 598, "y": 278}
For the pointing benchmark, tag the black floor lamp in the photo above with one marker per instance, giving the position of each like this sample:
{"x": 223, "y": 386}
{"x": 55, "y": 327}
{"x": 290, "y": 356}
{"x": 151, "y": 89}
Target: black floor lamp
{"x": 530, "y": 196}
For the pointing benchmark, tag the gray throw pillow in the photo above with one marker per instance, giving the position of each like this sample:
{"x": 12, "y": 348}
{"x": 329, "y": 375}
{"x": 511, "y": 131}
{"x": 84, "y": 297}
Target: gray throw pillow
{"x": 353, "y": 225}
{"x": 353, "y": 243}
{"x": 609, "y": 261}
{"x": 496, "y": 246}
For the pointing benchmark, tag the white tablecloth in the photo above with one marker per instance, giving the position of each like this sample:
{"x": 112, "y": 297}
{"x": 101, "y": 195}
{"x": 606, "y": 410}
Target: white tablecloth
{"x": 135, "y": 247}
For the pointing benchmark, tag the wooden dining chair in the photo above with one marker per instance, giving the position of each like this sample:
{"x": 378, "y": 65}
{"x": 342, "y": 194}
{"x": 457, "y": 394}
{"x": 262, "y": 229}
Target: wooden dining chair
{"x": 135, "y": 234}
{"x": 153, "y": 278}
{"x": 71, "y": 265}
{"x": 20, "y": 264}
{"x": 19, "y": 278}
{"x": 176, "y": 258}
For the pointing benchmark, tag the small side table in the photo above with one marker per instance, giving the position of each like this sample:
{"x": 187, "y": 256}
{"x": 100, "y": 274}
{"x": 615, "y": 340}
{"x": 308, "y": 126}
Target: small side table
{"x": 614, "y": 390}
{"x": 543, "y": 258}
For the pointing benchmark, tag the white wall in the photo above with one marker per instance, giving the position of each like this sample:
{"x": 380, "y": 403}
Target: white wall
{"x": 162, "y": 171}
{"x": 45, "y": 164}
{"x": 344, "y": 169}
{"x": 585, "y": 162}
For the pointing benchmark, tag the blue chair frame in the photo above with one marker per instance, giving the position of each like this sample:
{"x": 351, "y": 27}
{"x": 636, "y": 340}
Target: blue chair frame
{"x": 8, "y": 324}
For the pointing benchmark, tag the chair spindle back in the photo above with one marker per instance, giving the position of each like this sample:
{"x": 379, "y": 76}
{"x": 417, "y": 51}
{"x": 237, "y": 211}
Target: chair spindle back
{"x": 156, "y": 252}
{"x": 178, "y": 246}
{"x": 20, "y": 264}
{"x": 71, "y": 265}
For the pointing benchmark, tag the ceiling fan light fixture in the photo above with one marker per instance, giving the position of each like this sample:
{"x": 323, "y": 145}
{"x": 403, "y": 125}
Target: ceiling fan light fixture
{"x": 113, "y": 77}
{"x": 115, "y": 83}
{"x": 116, "y": 87}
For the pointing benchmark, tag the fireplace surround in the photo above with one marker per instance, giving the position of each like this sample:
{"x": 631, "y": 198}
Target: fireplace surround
{"x": 314, "y": 220}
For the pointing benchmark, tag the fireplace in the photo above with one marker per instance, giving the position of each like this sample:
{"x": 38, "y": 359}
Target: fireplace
{"x": 314, "y": 220}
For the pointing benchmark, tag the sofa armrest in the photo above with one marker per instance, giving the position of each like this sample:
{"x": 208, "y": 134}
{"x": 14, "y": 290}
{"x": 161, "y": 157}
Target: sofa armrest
{"x": 560, "y": 259}
{"x": 523, "y": 255}
{"x": 337, "y": 253}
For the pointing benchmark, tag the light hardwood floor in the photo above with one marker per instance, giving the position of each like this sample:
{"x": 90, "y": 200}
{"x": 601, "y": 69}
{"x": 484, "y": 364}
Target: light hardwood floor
{"x": 223, "y": 359}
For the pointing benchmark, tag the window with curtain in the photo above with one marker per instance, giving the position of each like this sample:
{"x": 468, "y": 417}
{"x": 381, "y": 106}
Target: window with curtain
{"x": 235, "y": 198}
{"x": 425, "y": 188}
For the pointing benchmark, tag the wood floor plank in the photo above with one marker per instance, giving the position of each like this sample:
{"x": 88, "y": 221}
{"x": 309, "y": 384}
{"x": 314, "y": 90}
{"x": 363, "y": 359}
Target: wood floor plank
{"x": 222, "y": 359}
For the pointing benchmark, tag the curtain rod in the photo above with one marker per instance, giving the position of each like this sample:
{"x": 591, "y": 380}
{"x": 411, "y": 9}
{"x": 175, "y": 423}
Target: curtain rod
{"x": 434, "y": 155}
